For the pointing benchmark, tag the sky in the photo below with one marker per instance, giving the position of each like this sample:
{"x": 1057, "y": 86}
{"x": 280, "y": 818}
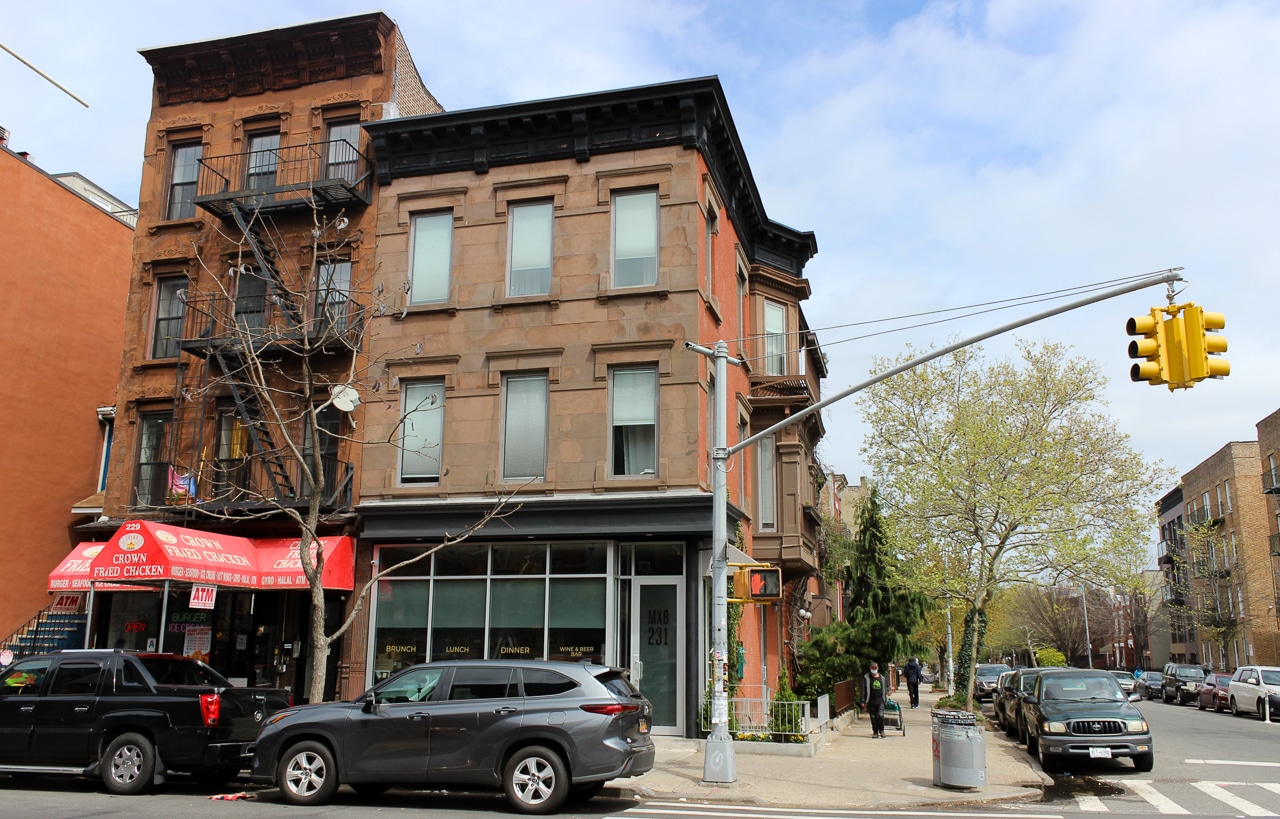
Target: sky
{"x": 944, "y": 153}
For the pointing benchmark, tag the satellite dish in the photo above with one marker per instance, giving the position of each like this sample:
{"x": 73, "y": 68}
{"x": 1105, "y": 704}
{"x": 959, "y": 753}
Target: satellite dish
{"x": 341, "y": 223}
{"x": 344, "y": 397}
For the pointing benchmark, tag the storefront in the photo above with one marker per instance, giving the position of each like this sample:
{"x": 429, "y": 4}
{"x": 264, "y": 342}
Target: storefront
{"x": 613, "y": 581}
{"x": 241, "y": 604}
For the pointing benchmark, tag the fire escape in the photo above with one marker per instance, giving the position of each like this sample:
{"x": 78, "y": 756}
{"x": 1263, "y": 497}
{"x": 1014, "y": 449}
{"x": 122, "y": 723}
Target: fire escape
{"x": 233, "y": 448}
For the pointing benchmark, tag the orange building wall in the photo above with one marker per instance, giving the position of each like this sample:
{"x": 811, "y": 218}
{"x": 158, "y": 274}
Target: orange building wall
{"x": 66, "y": 271}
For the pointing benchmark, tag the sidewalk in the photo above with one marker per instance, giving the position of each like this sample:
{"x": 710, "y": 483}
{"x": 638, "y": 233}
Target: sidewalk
{"x": 851, "y": 770}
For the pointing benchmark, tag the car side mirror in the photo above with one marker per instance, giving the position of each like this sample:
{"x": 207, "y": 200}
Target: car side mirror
{"x": 1253, "y": 681}
{"x": 1030, "y": 699}
{"x": 370, "y": 702}
{"x": 1135, "y": 697}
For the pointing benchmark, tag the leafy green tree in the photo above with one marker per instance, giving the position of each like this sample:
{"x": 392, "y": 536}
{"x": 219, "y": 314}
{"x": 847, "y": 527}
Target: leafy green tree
{"x": 883, "y": 611}
{"x": 827, "y": 658}
{"x": 1005, "y": 472}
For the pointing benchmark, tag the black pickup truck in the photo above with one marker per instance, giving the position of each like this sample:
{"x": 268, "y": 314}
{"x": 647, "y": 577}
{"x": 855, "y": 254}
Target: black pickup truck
{"x": 130, "y": 718}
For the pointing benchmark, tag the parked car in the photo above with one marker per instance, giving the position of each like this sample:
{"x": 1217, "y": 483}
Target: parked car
{"x": 1180, "y": 682}
{"x": 1251, "y": 687}
{"x": 997, "y": 700}
{"x": 1125, "y": 679}
{"x": 984, "y": 679}
{"x": 537, "y": 730}
{"x": 1148, "y": 685}
{"x": 1009, "y": 701}
{"x": 130, "y": 718}
{"x": 1213, "y": 692}
{"x": 1076, "y": 713}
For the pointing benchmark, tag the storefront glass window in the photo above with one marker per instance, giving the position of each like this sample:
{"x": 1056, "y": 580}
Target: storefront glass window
{"x": 579, "y": 558}
{"x": 521, "y": 558}
{"x": 516, "y": 618}
{"x": 457, "y": 631}
{"x": 462, "y": 561}
{"x": 659, "y": 559}
{"x": 401, "y": 633}
{"x": 575, "y": 619}
{"x": 390, "y": 557}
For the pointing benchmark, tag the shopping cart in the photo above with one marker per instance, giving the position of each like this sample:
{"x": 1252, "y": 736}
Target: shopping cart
{"x": 893, "y": 716}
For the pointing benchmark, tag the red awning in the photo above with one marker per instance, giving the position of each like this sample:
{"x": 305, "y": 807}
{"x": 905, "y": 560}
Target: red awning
{"x": 146, "y": 550}
{"x": 280, "y": 566}
{"x": 72, "y": 573}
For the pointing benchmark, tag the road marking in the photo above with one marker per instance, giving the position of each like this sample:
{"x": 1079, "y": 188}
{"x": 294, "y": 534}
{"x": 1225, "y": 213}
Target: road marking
{"x": 1093, "y": 804}
{"x": 1271, "y": 786}
{"x": 698, "y": 809}
{"x": 1144, "y": 788}
{"x": 1246, "y": 762}
{"x": 1217, "y": 791}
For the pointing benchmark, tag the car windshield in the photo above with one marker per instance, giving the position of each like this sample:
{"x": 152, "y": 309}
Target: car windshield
{"x": 1122, "y": 676}
{"x": 1080, "y": 688}
{"x": 991, "y": 671}
{"x": 1151, "y": 676}
{"x": 1027, "y": 683}
{"x": 1271, "y": 677}
{"x": 1190, "y": 674}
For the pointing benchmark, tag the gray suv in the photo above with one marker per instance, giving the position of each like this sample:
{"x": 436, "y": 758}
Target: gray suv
{"x": 540, "y": 731}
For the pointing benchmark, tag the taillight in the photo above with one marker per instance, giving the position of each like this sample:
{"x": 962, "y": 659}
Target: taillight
{"x": 613, "y": 709}
{"x": 210, "y": 708}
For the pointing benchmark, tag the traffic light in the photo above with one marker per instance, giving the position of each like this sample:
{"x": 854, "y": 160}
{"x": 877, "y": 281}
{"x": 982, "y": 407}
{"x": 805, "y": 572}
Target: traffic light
{"x": 1153, "y": 346}
{"x": 1204, "y": 343}
{"x": 758, "y": 584}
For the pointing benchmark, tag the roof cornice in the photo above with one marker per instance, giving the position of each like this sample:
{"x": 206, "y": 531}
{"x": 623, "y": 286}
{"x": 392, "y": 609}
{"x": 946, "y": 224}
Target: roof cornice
{"x": 687, "y": 113}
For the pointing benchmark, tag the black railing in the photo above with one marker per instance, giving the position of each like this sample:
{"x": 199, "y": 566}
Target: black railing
{"x": 1271, "y": 480}
{"x": 298, "y": 176}
{"x": 1202, "y": 517}
{"x": 242, "y": 483}
{"x": 218, "y": 320}
{"x": 47, "y": 631}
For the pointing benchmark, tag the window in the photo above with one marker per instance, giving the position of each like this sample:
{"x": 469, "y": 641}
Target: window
{"x": 541, "y": 683}
{"x": 524, "y": 433}
{"x": 532, "y": 228}
{"x": 482, "y": 684}
{"x": 775, "y": 338}
{"x": 712, "y": 226}
{"x": 768, "y": 512}
{"x": 430, "y": 257}
{"x": 1217, "y": 492}
{"x": 24, "y": 678}
{"x": 182, "y": 180}
{"x": 264, "y": 158}
{"x": 251, "y": 299}
{"x": 333, "y": 299}
{"x": 344, "y": 144}
{"x": 415, "y": 686}
{"x": 634, "y": 421}
{"x": 329, "y": 422}
{"x": 423, "y": 428}
{"x": 76, "y": 679}
{"x": 1226, "y": 489}
{"x": 153, "y": 477}
{"x": 167, "y": 333}
{"x": 232, "y": 470}
{"x": 635, "y": 239}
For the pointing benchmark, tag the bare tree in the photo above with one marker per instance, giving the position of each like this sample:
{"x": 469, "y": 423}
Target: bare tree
{"x": 278, "y": 334}
{"x": 1215, "y": 605}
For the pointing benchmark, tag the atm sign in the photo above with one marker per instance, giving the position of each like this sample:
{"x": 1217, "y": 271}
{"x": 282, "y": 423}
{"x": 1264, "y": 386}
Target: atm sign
{"x": 202, "y": 597}
{"x": 66, "y": 604}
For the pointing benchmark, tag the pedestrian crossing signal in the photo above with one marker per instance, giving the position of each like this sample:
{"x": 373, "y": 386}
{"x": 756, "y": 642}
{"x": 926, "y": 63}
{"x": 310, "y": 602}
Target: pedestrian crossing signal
{"x": 758, "y": 585}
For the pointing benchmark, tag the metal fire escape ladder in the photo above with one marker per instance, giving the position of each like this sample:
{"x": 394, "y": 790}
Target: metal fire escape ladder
{"x": 248, "y": 224}
{"x": 250, "y": 410}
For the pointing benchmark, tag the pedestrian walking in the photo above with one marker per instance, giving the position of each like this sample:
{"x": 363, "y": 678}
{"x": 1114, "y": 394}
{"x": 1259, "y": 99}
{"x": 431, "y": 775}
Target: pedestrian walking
{"x": 914, "y": 673}
{"x": 873, "y": 698}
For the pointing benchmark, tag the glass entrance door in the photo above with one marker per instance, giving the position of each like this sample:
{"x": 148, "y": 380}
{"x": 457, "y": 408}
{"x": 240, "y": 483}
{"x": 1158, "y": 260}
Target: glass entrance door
{"x": 657, "y": 653}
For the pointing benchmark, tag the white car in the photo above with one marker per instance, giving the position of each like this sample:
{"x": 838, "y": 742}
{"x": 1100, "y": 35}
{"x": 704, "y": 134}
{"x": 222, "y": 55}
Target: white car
{"x": 1251, "y": 686}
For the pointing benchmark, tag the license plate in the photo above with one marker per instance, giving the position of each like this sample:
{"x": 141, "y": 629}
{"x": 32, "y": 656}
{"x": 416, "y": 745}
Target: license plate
{"x": 1100, "y": 753}
{"x": 644, "y": 725}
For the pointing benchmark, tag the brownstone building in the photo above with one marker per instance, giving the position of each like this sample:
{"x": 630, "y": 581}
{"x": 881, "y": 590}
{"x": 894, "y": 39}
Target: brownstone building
{"x": 1231, "y": 577}
{"x": 1269, "y": 451}
{"x": 255, "y": 228}
{"x": 66, "y": 272}
{"x": 546, "y": 264}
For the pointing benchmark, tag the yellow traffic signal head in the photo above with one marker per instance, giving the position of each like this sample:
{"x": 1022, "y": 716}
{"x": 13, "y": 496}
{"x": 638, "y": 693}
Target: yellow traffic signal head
{"x": 1152, "y": 347}
{"x": 1204, "y": 344}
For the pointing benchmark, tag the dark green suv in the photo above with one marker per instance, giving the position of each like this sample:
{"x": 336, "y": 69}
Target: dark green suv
{"x": 1080, "y": 714}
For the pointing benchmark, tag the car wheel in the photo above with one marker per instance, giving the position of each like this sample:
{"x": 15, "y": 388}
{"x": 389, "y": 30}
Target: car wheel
{"x": 1143, "y": 763}
{"x": 1217, "y": 705}
{"x": 1011, "y": 728}
{"x": 1235, "y": 709}
{"x": 129, "y": 765}
{"x": 307, "y": 774}
{"x": 535, "y": 780}
{"x": 1048, "y": 764}
{"x": 1261, "y": 714}
{"x": 1164, "y": 695}
{"x": 1200, "y": 703}
{"x": 1033, "y": 743}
